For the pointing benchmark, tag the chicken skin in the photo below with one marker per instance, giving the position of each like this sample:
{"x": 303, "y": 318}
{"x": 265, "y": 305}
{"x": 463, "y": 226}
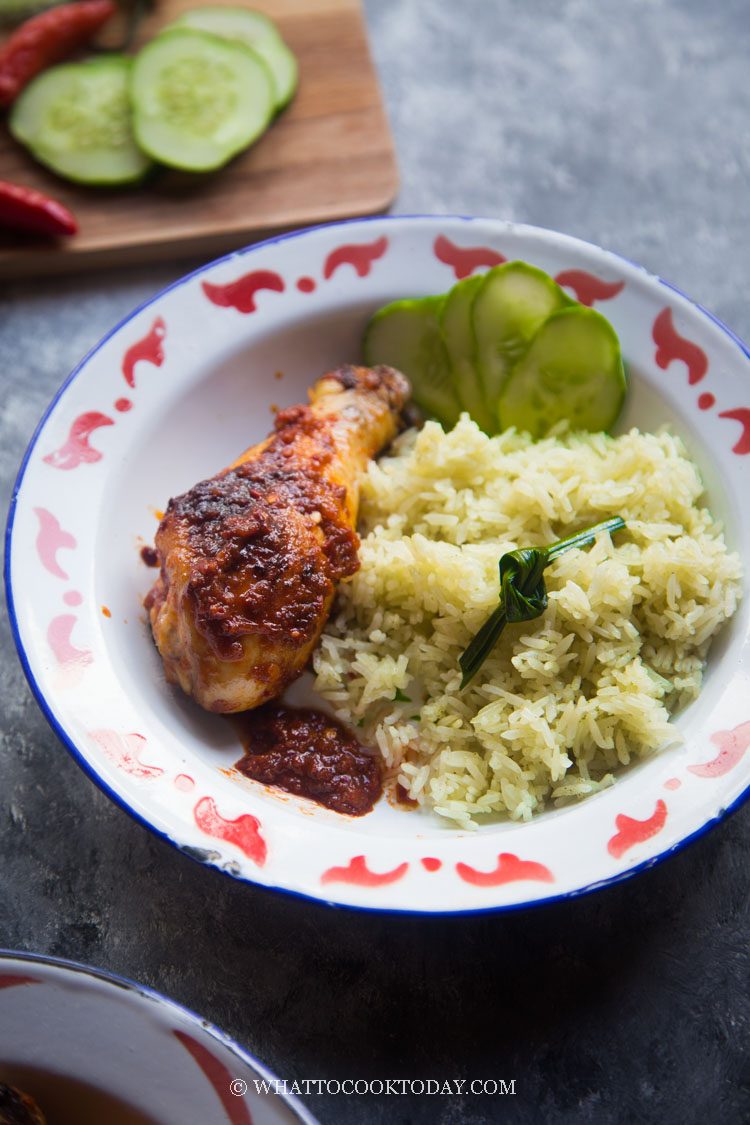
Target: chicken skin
{"x": 250, "y": 558}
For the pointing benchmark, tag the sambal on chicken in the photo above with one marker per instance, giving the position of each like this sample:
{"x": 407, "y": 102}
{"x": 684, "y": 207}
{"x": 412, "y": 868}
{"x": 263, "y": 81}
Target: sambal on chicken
{"x": 250, "y": 558}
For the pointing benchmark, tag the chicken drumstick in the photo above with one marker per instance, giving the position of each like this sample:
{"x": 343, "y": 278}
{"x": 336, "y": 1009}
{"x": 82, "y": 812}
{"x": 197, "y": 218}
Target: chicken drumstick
{"x": 250, "y": 558}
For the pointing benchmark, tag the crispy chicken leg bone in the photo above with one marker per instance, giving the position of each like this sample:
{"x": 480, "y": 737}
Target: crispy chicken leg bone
{"x": 250, "y": 558}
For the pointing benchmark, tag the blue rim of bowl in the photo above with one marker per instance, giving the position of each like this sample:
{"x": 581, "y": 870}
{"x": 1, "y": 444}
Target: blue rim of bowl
{"x": 159, "y": 998}
{"x": 73, "y": 749}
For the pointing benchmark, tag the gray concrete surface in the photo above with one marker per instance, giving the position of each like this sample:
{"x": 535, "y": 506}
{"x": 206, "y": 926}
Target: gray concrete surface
{"x": 627, "y": 124}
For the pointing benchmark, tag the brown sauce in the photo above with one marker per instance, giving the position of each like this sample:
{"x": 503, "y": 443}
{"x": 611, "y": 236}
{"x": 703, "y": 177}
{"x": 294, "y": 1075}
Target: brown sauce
{"x": 310, "y": 754}
{"x": 150, "y": 556}
{"x": 402, "y": 797}
{"x": 66, "y": 1101}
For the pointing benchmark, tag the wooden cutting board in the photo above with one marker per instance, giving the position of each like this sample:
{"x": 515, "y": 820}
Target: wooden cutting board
{"x": 329, "y": 155}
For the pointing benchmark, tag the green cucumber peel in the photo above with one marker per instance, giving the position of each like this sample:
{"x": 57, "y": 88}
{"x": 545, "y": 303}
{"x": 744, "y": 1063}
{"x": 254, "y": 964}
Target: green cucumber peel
{"x": 198, "y": 100}
{"x": 572, "y": 372}
{"x": 406, "y": 335}
{"x": 76, "y": 119}
{"x": 458, "y": 336}
{"x": 510, "y": 348}
{"x": 510, "y": 305}
{"x": 255, "y": 30}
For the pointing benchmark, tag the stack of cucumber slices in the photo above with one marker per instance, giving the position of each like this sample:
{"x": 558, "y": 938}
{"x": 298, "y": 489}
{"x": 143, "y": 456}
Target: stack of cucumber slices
{"x": 196, "y": 95}
{"x": 510, "y": 348}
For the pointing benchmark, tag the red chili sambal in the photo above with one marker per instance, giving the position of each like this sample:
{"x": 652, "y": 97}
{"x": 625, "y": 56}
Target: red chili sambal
{"x": 310, "y": 754}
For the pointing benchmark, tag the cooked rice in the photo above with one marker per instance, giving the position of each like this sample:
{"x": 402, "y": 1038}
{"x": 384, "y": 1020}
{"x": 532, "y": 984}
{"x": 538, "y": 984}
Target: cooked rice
{"x": 568, "y": 698}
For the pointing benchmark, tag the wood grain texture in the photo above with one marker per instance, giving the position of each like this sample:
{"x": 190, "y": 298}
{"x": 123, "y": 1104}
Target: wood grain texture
{"x": 329, "y": 155}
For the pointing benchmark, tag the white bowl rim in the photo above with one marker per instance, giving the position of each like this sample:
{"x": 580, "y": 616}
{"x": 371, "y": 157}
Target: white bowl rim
{"x": 79, "y": 757}
{"x": 152, "y": 995}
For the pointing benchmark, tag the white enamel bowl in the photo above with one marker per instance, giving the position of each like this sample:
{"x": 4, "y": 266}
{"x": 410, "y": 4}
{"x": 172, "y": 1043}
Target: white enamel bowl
{"x": 133, "y": 1044}
{"x": 173, "y": 394}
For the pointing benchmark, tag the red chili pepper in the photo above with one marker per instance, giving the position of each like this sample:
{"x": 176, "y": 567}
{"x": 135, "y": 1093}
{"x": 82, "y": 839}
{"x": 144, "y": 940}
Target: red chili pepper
{"x": 23, "y": 208}
{"x": 47, "y": 38}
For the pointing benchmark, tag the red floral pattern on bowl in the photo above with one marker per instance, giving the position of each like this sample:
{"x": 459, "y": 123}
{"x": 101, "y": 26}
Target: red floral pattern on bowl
{"x": 205, "y": 365}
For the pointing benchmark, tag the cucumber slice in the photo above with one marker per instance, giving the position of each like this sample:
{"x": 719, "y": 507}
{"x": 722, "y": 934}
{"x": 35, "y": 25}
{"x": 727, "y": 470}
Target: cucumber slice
{"x": 76, "y": 119}
{"x": 406, "y": 335}
{"x": 255, "y": 30}
{"x": 458, "y": 335}
{"x": 510, "y": 305}
{"x": 198, "y": 100}
{"x": 572, "y": 370}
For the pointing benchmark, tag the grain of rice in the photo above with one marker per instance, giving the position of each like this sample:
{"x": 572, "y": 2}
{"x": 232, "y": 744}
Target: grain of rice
{"x": 563, "y": 700}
